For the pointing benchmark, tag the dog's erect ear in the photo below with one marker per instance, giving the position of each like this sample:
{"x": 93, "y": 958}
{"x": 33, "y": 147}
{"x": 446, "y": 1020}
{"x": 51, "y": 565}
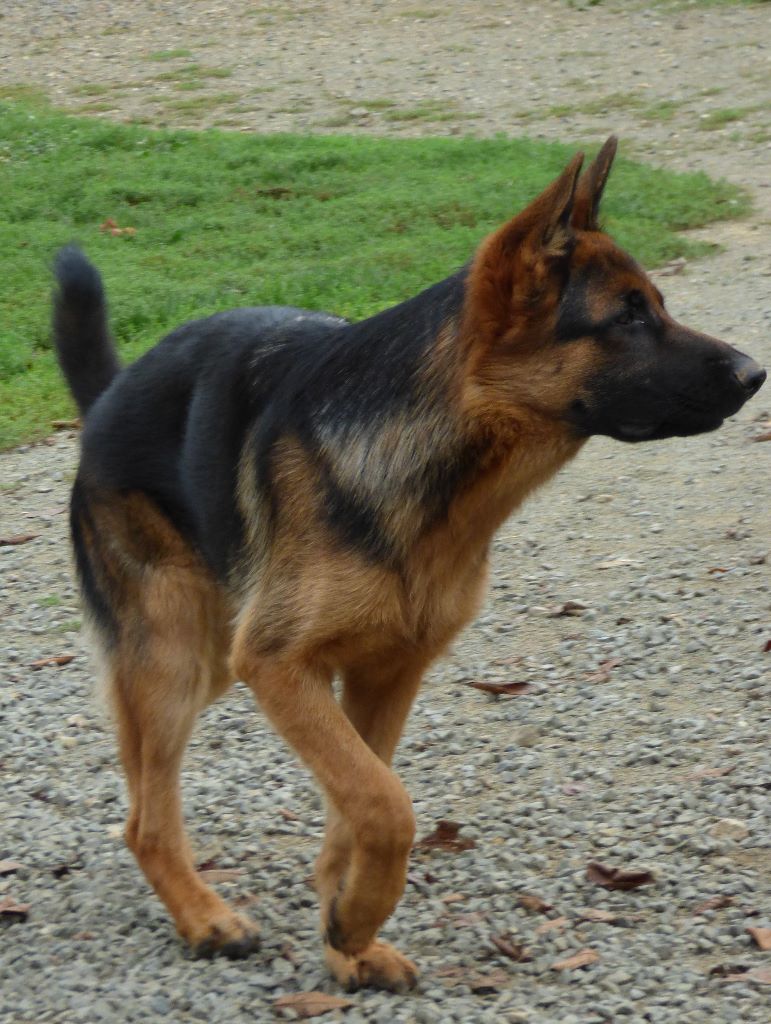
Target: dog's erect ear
{"x": 552, "y": 211}
{"x": 590, "y": 188}
{"x": 518, "y": 259}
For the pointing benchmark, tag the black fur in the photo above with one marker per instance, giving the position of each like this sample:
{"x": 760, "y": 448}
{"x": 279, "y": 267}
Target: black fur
{"x": 88, "y": 574}
{"x": 82, "y": 339}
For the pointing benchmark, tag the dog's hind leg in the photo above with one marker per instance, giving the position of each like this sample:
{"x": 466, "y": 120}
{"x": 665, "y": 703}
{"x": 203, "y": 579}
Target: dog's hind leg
{"x": 156, "y": 701}
{"x": 166, "y": 660}
{"x": 362, "y": 870}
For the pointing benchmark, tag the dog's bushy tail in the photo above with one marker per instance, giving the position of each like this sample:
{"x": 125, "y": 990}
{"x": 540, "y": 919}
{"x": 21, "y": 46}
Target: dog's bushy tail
{"x": 84, "y": 345}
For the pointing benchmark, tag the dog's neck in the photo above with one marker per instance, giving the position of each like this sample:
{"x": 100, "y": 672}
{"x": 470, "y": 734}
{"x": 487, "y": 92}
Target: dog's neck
{"x": 510, "y": 469}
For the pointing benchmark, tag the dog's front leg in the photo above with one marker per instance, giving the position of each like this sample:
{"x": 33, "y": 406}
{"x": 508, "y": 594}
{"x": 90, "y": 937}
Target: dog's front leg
{"x": 377, "y": 698}
{"x": 373, "y": 807}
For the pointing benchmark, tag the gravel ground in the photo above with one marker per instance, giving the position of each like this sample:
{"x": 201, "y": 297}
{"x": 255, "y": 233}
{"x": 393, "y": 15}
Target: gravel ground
{"x": 643, "y": 742}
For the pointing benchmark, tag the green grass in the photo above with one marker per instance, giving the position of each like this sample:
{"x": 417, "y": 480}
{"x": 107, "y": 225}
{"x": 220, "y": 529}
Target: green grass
{"x": 685, "y": 4}
{"x": 163, "y": 55}
{"x": 191, "y": 72}
{"x": 93, "y": 89}
{"x": 675, "y": 5}
{"x": 70, "y": 626}
{"x": 201, "y": 104}
{"x": 431, "y": 110}
{"x": 662, "y": 110}
{"x": 725, "y": 115}
{"x": 347, "y": 224}
{"x": 420, "y": 12}
{"x": 615, "y": 101}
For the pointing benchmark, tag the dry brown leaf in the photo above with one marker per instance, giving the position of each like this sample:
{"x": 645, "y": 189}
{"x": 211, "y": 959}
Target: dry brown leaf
{"x": 723, "y": 970}
{"x": 20, "y": 538}
{"x": 445, "y": 837}
{"x": 760, "y": 974}
{"x": 569, "y": 608}
{"x": 504, "y": 689}
{"x": 767, "y": 646}
{"x": 765, "y": 436}
{"x": 549, "y": 926}
{"x": 245, "y": 900}
{"x": 65, "y": 424}
{"x": 312, "y": 1004}
{"x": 110, "y": 227}
{"x": 617, "y": 878}
{"x": 288, "y": 815}
{"x": 508, "y": 660}
{"x": 8, "y": 867}
{"x": 701, "y": 772}
{"x": 534, "y": 903}
{"x": 762, "y": 937}
{"x": 9, "y": 908}
{"x": 594, "y": 914}
{"x": 617, "y": 562}
{"x": 492, "y": 981}
{"x": 59, "y": 659}
{"x": 477, "y": 982}
{"x": 67, "y": 867}
{"x": 454, "y": 897}
{"x": 452, "y": 971}
{"x": 220, "y": 874}
{"x": 603, "y": 673}
{"x": 582, "y": 958}
{"x": 713, "y": 903}
{"x": 511, "y": 948}
{"x": 671, "y": 268}
{"x": 288, "y": 954}
{"x": 467, "y": 920}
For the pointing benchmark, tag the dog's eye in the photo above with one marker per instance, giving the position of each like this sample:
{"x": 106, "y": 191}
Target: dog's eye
{"x": 627, "y": 317}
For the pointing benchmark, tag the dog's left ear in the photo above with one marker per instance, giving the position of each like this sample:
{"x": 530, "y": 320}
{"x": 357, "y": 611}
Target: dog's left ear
{"x": 521, "y": 259}
{"x": 551, "y": 214}
{"x": 591, "y": 185}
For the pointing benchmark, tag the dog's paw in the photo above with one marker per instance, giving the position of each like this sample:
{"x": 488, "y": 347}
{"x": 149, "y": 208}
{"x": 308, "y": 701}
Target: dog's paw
{"x": 377, "y": 966}
{"x": 232, "y": 935}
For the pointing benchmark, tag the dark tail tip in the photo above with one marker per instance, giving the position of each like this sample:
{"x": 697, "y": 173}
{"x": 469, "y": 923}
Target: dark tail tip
{"x": 84, "y": 347}
{"x": 80, "y": 283}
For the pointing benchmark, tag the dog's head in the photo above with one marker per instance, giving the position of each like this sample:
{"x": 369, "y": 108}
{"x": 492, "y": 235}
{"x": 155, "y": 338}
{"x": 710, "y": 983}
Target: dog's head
{"x": 563, "y": 323}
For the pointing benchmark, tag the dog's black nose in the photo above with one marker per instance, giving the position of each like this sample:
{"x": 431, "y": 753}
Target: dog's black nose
{"x": 749, "y": 375}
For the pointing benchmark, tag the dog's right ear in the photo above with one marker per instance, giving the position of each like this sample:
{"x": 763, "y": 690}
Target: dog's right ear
{"x": 518, "y": 260}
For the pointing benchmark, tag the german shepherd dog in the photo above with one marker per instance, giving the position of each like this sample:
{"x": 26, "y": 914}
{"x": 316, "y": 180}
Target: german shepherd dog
{"x": 283, "y": 497}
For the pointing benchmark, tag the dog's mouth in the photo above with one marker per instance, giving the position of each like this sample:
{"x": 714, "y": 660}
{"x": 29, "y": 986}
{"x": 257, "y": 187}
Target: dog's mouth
{"x": 632, "y": 431}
